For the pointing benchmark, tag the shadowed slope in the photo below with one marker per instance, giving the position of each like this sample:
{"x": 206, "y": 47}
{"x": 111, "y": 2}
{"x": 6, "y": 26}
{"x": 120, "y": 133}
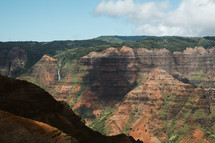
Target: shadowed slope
{"x": 27, "y": 100}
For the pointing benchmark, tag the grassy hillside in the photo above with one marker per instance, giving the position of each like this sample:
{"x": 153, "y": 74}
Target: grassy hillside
{"x": 172, "y": 43}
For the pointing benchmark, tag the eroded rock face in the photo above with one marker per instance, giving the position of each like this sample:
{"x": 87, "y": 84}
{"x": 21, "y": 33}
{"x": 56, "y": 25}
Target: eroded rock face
{"x": 12, "y": 62}
{"x": 160, "y": 110}
{"x": 194, "y": 60}
{"x": 162, "y": 58}
{"x": 43, "y": 73}
{"x": 28, "y": 100}
{"x": 186, "y": 62}
{"x": 195, "y": 64}
{"x": 112, "y": 72}
{"x": 18, "y": 129}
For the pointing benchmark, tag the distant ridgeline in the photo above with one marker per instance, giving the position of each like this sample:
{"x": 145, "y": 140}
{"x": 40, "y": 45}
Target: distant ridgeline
{"x": 156, "y": 89}
{"x": 35, "y": 50}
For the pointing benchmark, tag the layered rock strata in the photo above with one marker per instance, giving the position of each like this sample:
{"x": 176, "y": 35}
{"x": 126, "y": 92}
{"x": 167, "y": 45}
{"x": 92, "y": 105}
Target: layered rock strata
{"x": 196, "y": 64}
{"x": 112, "y": 71}
{"x": 43, "y": 73}
{"x": 160, "y": 110}
{"x": 28, "y": 100}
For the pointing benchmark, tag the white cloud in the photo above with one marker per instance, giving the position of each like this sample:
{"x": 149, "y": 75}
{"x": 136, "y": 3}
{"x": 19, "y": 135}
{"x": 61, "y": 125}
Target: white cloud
{"x": 190, "y": 18}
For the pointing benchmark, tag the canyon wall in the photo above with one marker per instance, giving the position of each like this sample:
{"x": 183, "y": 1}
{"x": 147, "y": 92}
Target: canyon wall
{"x": 27, "y": 100}
{"x": 107, "y": 76}
{"x": 43, "y": 73}
{"x": 195, "y": 64}
{"x": 112, "y": 71}
{"x": 163, "y": 109}
{"x": 12, "y": 62}
{"x": 134, "y": 91}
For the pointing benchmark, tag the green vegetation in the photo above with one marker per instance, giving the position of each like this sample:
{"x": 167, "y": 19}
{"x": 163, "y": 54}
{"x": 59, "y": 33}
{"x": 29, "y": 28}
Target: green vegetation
{"x": 77, "y": 96}
{"x": 199, "y": 76}
{"x": 33, "y": 80}
{"x": 186, "y": 116}
{"x": 171, "y": 43}
{"x": 99, "y": 123}
{"x": 70, "y": 50}
{"x": 139, "y": 80}
{"x": 126, "y": 129}
{"x": 35, "y": 50}
{"x": 85, "y": 112}
{"x": 133, "y": 117}
{"x": 172, "y": 113}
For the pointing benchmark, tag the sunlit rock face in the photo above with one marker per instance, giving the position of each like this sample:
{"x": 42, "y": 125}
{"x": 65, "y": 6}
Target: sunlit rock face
{"x": 18, "y": 129}
{"x": 158, "y": 108}
{"x": 43, "y": 73}
{"x": 112, "y": 73}
{"x": 195, "y": 59}
{"x": 188, "y": 61}
{"x": 163, "y": 109}
{"x": 12, "y": 62}
{"x": 196, "y": 64}
{"x": 162, "y": 58}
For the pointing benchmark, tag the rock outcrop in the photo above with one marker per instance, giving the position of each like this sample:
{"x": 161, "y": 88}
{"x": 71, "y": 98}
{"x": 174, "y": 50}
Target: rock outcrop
{"x": 28, "y": 100}
{"x": 112, "y": 72}
{"x": 196, "y": 64}
{"x": 162, "y": 109}
{"x": 43, "y": 73}
{"x": 162, "y": 58}
{"x": 108, "y": 85}
{"x": 47, "y": 74}
{"x": 12, "y": 62}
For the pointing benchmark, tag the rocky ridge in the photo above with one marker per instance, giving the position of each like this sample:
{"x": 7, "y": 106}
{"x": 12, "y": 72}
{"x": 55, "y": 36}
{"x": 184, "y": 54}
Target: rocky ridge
{"x": 112, "y": 75}
{"x": 196, "y": 64}
{"x": 29, "y": 101}
{"x": 43, "y": 73}
{"x": 114, "y": 72}
{"x": 163, "y": 109}
{"x": 115, "y": 69}
{"x": 18, "y": 129}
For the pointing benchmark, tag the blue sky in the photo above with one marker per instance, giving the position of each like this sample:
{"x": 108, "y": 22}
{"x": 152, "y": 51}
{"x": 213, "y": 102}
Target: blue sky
{"x": 48, "y": 20}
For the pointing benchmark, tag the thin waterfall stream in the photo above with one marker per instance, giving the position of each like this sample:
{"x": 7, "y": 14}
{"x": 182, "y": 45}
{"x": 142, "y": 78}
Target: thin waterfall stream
{"x": 58, "y": 71}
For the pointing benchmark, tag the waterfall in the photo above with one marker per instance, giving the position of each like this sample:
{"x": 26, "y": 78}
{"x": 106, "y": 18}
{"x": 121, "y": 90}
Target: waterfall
{"x": 58, "y": 71}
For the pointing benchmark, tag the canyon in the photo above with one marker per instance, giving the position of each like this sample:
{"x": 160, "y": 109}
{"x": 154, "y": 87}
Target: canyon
{"x": 153, "y": 95}
{"x": 39, "y": 117}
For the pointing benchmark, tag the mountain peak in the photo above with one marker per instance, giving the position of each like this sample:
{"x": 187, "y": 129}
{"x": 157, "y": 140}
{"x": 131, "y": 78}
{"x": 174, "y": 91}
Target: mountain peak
{"x": 48, "y": 58}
